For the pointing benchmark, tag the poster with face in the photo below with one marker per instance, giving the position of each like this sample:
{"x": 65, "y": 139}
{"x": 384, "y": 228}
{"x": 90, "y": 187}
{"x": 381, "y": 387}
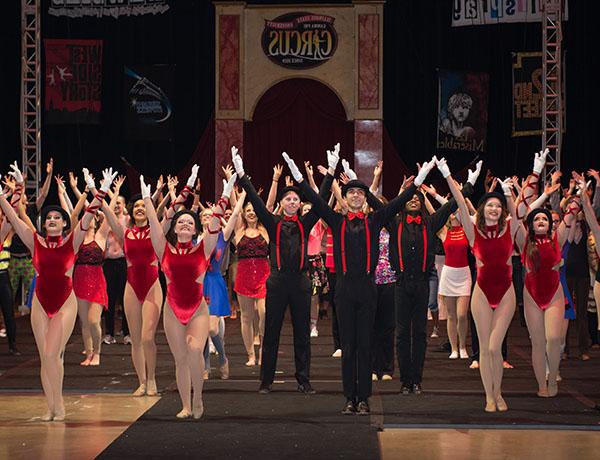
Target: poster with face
{"x": 462, "y": 111}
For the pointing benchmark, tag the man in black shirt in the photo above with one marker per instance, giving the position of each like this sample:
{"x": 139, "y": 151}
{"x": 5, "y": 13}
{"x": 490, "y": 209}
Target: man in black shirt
{"x": 355, "y": 248}
{"x": 288, "y": 283}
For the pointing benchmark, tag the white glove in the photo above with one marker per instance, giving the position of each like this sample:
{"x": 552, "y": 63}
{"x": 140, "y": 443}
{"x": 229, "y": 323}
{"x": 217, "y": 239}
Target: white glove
{"x": 348, "y": 170}
{"x": 16, "y": 173}
{"x": 506, "y": 185}
{"x": 443, "y": 167}
{"x": 539, "y": 161}
{"x": 89, "y": 181}
{"x": 238, "y": 164}
{"x": 296, "y": 174}
{"x": 192, "y": 179}
{"x": 473, "y": 175}
{"x": 107, "y": 179}
{"x": 145, "y": 189}
{"x": 333, "y": 157}
{"x": 228, "y": 186}
{"x": 425, "y": 169}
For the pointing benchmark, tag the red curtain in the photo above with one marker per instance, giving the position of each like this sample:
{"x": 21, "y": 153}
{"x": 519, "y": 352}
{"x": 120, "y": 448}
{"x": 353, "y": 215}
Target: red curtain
{"x": 301, "y": 117}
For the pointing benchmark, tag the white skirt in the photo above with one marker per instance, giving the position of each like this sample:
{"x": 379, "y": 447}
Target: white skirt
{"x": 455, "y": 282}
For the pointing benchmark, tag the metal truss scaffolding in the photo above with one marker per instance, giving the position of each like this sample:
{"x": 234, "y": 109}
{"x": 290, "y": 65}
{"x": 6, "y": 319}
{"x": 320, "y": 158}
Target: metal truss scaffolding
{"x": 31, "y": 122}
{"x": 552, "y": 104}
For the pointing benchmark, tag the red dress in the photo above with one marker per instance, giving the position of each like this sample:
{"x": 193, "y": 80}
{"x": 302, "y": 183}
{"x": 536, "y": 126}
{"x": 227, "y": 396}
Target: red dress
{"x": 142, "y": 268}
{"x": 183, "y": 270}
{"x": 253, "y": 267}
{"x": 88, "y": 278}
{"x": 53, "y": 286}
{"x": 543, "y": 282}
{"x": 494, "y": 275}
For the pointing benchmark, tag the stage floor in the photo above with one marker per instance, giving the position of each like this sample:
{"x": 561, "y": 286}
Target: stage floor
{"x": 446, "y": 421}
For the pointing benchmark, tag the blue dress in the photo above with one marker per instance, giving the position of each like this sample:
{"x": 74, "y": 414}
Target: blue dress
{"x": 570, "y": 309}
{"x": 215, "y": 289}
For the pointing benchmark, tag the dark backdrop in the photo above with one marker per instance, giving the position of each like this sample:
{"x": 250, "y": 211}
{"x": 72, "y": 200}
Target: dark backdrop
{"x": 418, "y": 39}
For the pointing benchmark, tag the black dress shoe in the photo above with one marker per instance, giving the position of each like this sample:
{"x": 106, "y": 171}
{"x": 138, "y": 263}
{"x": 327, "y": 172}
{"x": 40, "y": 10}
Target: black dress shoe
{"x": 362, "y": 408}
{"x": 265, "y": 389}
{"x": 417, "y": 389}
{"x": 306, "y": 388}
{"x": 13, "y": 351}
{"x": 349, "y": 408}
{"x": 406, "y": 388}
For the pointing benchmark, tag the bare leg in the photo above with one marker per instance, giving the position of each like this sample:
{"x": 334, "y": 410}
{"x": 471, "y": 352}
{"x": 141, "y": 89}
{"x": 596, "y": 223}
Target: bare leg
{"x": 176, "y": 337}
{"x": 462, "y": 310}
{"x": 534, "y": 317}
{"x": 133, "y": 311}
{"x": 553, "y": 317}
{"x": 150, "y": 317}
{"x": 94, "y": 315}
{"x": 247, "y": 323}
{"x": 450, "y": 303}
{"x": 82, "y": 313}
{"x": 260, "y": 307}
{"x": 51, "y": 335}
{"x": 196, "y": 335}
{"x": 501, "y": 321}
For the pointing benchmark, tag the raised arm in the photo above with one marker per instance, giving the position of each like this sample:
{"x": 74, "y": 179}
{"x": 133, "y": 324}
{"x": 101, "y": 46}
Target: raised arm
{"x": 588, "y": 210}
{"x": 21, "y": 228}
{"x": 463, "y": 209}
{"x": 78, "y": 208}
{"x": 107, "y": 179}
{"x": 377, "y": 171}
{"x": 157, "y": 235}
{"x": 232, "y": 223}
{"x": 185, "y": 192}
{"x": 218, "y": 211}
{"x": 112, "y": 220}
{"x": 39, "y": 202}
{"x": 515, "y": 223}
{"x": 63, "y": 197}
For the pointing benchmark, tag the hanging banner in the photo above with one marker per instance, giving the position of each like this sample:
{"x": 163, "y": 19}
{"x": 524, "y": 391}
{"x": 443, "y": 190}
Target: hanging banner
{"x": 73, "y": 81}
{"x": 528, "y": 92}
{"x": 106, "y": 8}
{"x": 462, "y": 111}
{"x": 148, "y": 92}
{"x": 482, "y": 12}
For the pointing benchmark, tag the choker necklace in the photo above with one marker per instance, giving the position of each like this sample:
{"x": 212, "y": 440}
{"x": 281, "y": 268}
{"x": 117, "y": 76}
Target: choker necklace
{"x": 183, "y": 248}
{"x": 53, "y": 241}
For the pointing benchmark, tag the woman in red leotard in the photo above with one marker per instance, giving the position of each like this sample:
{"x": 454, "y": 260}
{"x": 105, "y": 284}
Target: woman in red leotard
{"x": 184, "y": 263}
{"x": 54, "y": 307}
{"x": 490, "y": 233}
{"x": 540, "y": 245}
{"x": 252, "y": 243}
{"x": 143, "y": 295}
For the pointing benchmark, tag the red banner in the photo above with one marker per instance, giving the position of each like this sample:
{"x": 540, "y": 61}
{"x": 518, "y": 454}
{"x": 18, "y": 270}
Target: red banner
{"x": 73, "y": 81}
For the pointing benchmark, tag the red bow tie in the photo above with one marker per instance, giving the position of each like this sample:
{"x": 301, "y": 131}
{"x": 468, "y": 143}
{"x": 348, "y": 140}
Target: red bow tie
{"x": 411, "y": 219}
{"x": 355, "y": 215}
{"x": 293, "y": 218}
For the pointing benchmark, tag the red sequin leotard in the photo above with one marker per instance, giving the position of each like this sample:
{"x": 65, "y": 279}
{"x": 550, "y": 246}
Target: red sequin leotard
{"x": 543, "y": 282}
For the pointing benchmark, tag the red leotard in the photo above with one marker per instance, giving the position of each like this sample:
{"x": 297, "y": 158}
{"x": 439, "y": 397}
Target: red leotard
{"x": 456, "y": 247}
{"x": 142, "y": 268}
{"x": 184, "y": 291}
{"x": 53, "y": 285}
{"x": 543, "y": 282}
{"x": 494, "y": 276}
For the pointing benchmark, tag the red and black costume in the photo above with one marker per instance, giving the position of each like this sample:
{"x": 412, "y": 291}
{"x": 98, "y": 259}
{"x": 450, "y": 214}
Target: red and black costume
{"x": 88, "y": 278}
{"x": 288, "y": 284}
{"x": 355, "y": 250}
{"x": 412, "y": 255}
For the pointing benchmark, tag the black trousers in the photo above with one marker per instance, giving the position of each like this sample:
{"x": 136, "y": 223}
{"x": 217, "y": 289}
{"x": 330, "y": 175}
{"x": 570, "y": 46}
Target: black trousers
{"x": 115, "y": 272}
{"x": 6, "y": 302}
{"x": 580, "y": 289}
{"x": 283, "y": 290}
{"x": 384, "y": 326}
{"x": 519, "y": 283}
{"x": 335, "y": 328}
{"x": 356, "y": 300}
{"x": 411, "y": 296}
